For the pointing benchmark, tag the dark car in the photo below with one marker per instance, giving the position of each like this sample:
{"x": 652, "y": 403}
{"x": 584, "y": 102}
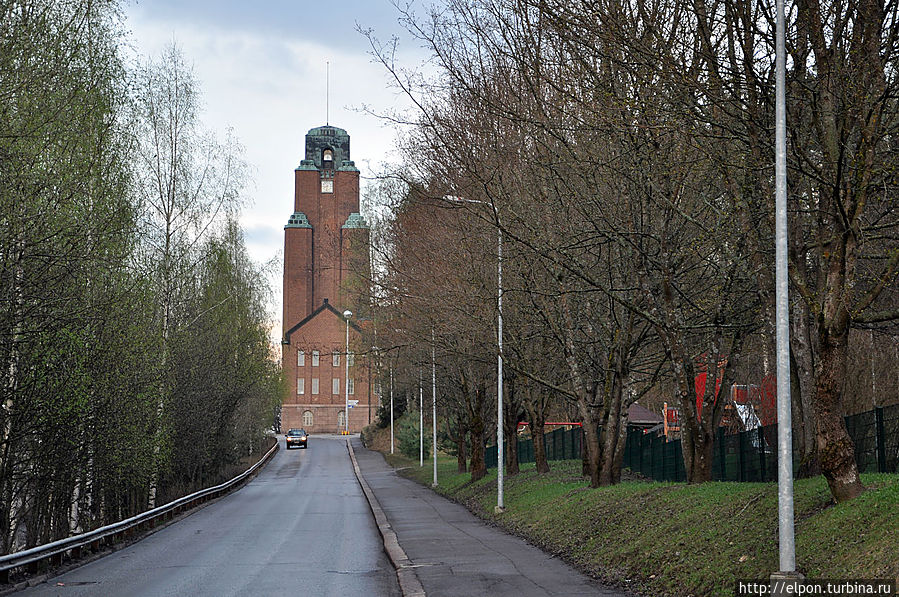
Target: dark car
{"x": 296, "y": 437}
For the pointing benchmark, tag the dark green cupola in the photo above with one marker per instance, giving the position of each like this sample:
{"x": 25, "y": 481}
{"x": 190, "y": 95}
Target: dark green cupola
{"x": 328, "y": 148}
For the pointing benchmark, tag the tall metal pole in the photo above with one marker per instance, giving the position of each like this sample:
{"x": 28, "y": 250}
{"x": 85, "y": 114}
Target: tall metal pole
{"x": 500, "y": 457}
{"x": 784, "y": 420}
{"x": 434, "y": 405}
{"x": 346, "y": 374}
{"x": 421, "y": 423}
{"x": 391, "y": 408}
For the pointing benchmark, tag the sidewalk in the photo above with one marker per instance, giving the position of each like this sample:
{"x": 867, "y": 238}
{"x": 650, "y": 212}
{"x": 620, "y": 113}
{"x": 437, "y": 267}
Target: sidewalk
{"x": 456, "y": 554}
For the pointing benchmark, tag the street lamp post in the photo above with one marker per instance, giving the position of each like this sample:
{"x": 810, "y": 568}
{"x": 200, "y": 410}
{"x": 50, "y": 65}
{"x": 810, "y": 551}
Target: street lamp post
{"x": 346, "y": 374}
{"x": 391, "y": 408}
{"x": 421, "y": 423}
{"x": 500, "y": 455}
{"x": 434, "y": 405}
{"x": 500, "y": 452}
{"x": 786, "y": 525}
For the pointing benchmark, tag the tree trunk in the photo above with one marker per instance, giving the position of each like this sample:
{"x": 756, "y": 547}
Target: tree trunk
{"x": 695, "y": 441}
{"x": 697, "y": 428}
{"x": 698, "y": 453}
{"x": 619, "y": 453}
{"x": 475, "y": 400}
{"x": 537, "y": 421}
{"x": 836, "y": 452}
{"x": 591, "y": 444}
{"x": 585, "y": 461}
{"x": 612, "y": 426}
{"x": 511, "y": 454}
{"x": 510, "y": 429}
{"x": 702, "y": 428}
{"x": 10, "y": 515}
{"x": 802, "y": 366}
{"x": 804, "y": 420}
{"x": 461, "y": 453}
{"x": 478, "y": 464}
{"x": 458, "y": 434}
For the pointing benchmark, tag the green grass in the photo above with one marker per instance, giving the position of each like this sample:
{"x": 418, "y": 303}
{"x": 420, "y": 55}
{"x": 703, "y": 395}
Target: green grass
{"x": 678, "y": 539}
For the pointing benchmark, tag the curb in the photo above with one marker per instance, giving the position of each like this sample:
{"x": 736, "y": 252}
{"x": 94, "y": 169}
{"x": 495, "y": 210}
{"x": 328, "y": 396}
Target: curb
{"x": 409, "y": 582}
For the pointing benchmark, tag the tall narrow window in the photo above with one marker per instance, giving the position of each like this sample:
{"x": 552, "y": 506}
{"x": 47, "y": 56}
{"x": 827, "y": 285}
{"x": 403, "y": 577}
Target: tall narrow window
{"x": 301, "y": 385}
{"x": 335, "y": 359}
{"x": 350, "y": 359}
{"x": 335, "y": 385}
{"x": 351, "y": 386}
{"x": 301, "y": 358}
{"x": 315, "y": 385}
{"x": 315, "y": 358}
{"x": 341, "y": 420}
{"x": 307, "y": 418}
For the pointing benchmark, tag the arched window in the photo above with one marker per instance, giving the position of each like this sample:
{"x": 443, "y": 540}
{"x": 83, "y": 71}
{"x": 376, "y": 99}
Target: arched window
{"x": 328, "y": 158}
{"x": 341, "y": 420}
{"x": 307, "y": 418}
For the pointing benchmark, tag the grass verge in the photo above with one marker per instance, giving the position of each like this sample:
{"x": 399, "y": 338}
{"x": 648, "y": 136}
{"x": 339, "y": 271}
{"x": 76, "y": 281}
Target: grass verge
{"x": 678, "y": 539}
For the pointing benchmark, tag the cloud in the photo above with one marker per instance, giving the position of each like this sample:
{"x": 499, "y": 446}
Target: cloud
{"x": 327, "y": 24}
{"x": 265, "y": 234}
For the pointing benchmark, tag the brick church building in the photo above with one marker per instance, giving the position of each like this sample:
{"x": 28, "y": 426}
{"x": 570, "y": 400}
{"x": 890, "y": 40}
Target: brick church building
{"x": 326, "y": 268}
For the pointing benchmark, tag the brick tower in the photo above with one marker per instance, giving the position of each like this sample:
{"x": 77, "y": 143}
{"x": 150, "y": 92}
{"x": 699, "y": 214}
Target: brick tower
{"x": 326, "y": 264}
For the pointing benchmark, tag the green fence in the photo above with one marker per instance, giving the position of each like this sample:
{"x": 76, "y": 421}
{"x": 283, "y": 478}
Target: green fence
{"x": 746, "y": 456}
{"x": 561, "y": 444}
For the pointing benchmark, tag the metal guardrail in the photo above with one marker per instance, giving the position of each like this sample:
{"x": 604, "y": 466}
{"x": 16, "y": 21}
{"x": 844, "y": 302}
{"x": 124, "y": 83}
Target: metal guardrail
{"x": 110, "y": 534}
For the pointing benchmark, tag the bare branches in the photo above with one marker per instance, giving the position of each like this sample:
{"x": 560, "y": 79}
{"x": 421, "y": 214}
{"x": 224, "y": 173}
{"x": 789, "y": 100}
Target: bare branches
{"x": 624, "y": 151}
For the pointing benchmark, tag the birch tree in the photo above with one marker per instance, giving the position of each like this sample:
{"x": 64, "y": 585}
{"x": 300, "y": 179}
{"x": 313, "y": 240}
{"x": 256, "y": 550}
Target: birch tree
{"x": 188, "y": 184}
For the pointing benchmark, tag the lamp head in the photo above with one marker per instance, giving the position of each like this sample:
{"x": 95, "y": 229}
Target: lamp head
{"x": 347, "y": 314}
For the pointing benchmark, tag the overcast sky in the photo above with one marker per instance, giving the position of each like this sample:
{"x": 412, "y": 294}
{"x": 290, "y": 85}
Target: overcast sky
{"x": 262, "y": 70}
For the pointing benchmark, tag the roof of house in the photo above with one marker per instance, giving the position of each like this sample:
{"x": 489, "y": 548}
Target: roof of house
{"x": 325, "y": 306}
{"x": 638, "y": 415}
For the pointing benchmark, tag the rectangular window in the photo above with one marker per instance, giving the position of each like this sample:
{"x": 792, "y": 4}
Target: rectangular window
{"x": 335, "y": 385}
{"x": 335, "y": 359}
{"x": 315, "y": 358}
{"x": 350, "y": 359}
{"x": 301, "y": 385}
{"x": 315, "y": 385}
{"x": 351, "y": 386}
{"x": 301, "y": 358}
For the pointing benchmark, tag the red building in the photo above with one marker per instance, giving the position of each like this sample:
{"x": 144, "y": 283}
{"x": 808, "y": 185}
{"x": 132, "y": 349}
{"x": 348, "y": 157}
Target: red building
{"x": 326, "y": 265}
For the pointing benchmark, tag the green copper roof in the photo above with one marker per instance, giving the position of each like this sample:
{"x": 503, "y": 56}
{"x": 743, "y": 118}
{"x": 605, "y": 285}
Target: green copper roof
{"x": 298, "y": 220}
{"x": 331, "y": 131}
{"x": 307, "y": 165}
{"x": 355, "y": 221}
{"x": 348, "y": 166}
{"x": 324, "y": 138}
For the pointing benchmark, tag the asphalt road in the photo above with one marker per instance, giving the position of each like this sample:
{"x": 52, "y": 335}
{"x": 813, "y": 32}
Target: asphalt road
{"x": 301, "y": 527}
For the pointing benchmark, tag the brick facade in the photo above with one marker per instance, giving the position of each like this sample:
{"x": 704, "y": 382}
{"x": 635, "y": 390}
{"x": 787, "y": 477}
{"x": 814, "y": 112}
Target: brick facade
{"x": 326, "y": 267}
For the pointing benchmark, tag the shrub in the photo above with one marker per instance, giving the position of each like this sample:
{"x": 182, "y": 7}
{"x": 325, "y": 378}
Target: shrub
{"x": 408, "y": 435}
